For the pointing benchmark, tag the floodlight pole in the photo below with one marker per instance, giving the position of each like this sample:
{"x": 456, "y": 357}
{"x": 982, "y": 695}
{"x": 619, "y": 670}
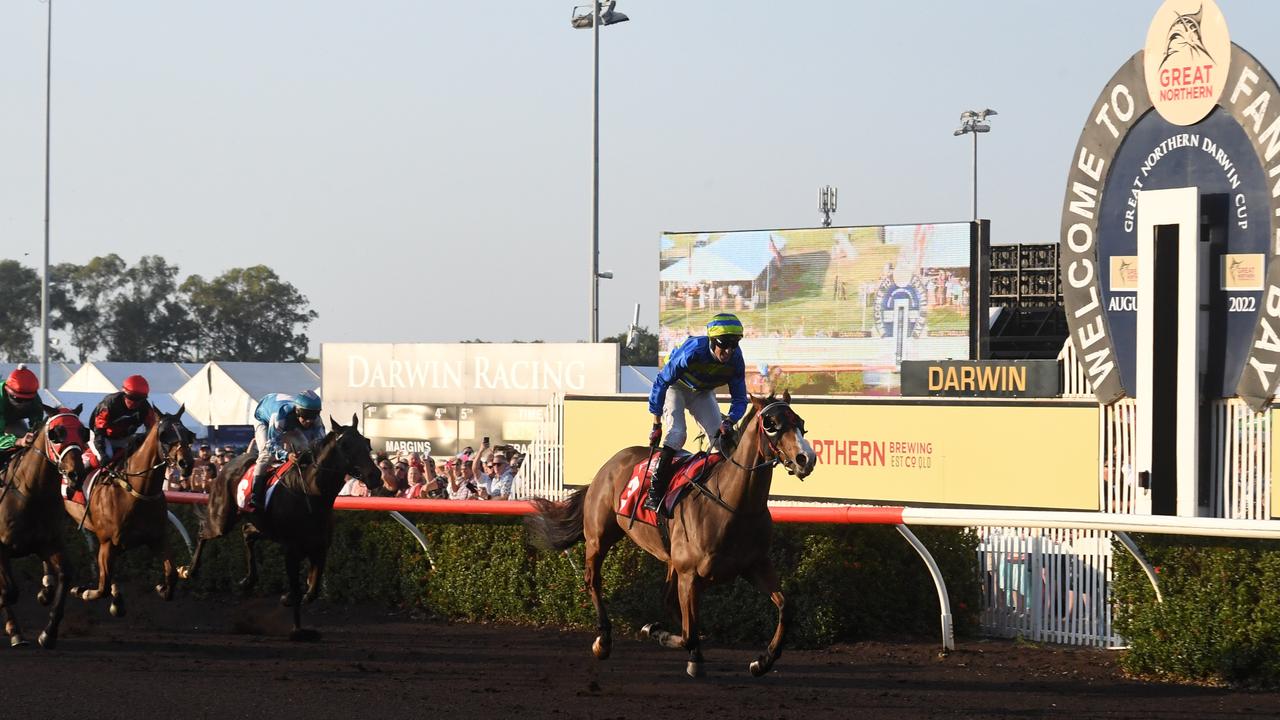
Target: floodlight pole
{"x": 975, "y": 175}
{"x": 595, "y": 173}
{"x": 44, "y": 275}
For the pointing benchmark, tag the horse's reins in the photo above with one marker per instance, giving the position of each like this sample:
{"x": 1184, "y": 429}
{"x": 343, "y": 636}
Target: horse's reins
{"x": 120, "y": 478}
{"x": 769, "y": 461}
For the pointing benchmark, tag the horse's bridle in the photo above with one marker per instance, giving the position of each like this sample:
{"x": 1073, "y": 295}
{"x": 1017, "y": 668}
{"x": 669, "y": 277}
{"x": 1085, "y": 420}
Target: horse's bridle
{"x": 120, "y": 477}
{"x": 55, "y": 452}
{"x": 773, "y": 457}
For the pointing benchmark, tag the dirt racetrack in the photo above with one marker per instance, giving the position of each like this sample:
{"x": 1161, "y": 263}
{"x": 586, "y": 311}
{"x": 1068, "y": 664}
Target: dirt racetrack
{"x": 230, "y": 659}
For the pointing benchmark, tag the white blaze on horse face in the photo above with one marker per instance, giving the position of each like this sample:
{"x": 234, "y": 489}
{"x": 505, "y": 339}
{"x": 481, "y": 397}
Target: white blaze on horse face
{"x": 807, "y": 450}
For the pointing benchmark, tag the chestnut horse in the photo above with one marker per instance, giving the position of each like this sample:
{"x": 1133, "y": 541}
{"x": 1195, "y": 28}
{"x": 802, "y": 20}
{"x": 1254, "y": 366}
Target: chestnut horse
{"x": 299, "y": 514}
{"x": 715, "y": 536}
{"x": 125, "y": 506}
{"x": 31, "y": 514}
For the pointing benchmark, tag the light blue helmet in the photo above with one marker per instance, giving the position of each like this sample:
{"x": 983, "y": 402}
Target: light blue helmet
{"x": 307, "y": 401}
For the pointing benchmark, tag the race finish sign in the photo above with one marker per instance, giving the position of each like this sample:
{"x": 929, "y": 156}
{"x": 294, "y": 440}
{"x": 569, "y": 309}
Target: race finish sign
{"x": 1191, "y": 109}
{"x": 981, "y": 378}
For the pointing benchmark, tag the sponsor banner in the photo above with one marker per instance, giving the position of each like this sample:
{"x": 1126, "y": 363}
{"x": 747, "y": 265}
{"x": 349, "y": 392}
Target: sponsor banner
{"x": 356, "y": 374}
{"x": 1124, "y": 273}
{"x": 962, "y": 453}
{"x": 982, "y": 378}
{"x": 1243, "y": 272}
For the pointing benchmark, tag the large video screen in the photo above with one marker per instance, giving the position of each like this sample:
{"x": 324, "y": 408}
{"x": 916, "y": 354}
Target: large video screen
{"x": 444, "y": 430}
{"x": 826, "y": 311}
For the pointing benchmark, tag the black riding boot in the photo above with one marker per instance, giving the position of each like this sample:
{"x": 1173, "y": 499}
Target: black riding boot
{"x": 259, "y": 494}
{"x": 661, "y": 478}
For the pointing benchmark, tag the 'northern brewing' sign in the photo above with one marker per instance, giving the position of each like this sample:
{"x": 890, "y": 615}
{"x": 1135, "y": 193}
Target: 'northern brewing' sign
{"x": 981, "y": 378}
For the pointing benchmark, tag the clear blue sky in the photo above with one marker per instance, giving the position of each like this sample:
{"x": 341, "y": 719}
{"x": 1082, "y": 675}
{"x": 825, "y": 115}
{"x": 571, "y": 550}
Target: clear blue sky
{"x": 421, "y": 170}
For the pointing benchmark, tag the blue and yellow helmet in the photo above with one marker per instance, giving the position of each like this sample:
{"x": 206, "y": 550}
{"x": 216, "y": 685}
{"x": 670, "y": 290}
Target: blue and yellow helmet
{"x": 723, "y": 325}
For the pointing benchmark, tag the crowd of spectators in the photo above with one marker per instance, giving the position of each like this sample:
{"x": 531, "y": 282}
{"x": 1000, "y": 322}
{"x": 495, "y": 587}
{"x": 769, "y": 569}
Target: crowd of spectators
{"x": 207, "y": 465}
{"x": 487, "y": 474}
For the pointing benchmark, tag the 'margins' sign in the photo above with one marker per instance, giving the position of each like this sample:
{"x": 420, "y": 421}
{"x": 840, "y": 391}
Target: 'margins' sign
{"x": 1190, "y": 108}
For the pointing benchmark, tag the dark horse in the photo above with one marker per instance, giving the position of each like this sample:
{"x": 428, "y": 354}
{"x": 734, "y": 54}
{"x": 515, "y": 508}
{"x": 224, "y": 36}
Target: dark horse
{"x": 299, "y": 515}
{"x": 714, "y": 536}
{"x": 31, "y": 513}
{"x": 125, "y": 505}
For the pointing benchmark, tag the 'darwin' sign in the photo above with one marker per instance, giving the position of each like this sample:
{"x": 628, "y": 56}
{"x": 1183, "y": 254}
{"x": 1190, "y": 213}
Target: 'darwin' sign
{"x": 981, "y": 378}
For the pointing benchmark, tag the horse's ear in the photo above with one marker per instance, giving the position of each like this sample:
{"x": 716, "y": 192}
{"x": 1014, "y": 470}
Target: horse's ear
{"x": 334, "y": 425}
{"x": 49, "y": 411}
{"x": 355, "y": 420}
{"x": 77, "y": 409}
{"x": 181, "y": 409}
{"x": 758, "y": 402}
{"x": 786, "y": 396}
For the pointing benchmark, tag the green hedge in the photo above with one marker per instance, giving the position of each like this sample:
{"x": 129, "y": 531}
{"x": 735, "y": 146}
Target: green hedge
{"x": 1220, "y": 619}
{"x": 844, "y": 582}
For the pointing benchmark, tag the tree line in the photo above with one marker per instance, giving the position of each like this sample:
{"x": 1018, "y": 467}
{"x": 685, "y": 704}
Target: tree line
{"x": 143, "y": 312}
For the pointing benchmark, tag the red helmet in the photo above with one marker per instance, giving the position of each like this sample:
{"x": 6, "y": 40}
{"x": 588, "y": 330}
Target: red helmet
{"x": 22, "y": 383}
{"x": 136, "y": 387}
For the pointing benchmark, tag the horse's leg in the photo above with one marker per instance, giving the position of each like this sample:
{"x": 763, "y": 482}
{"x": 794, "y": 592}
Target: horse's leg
{"x": 117, "y": 597}
{"x": 104, "y": 573}
{"x": 250, "y": 559}
{"x": 186, "y": 572}
{"x": 316, "y": 574}
{"x": 8, "y": 597}
{"x": 765, "y": 578}
{"x": 165, "y": 589}
{"x": 690, "y": 594}
{"x": 57, "y": 562}
{"x": 598, "y": 544}
{"x": 293, "y": 598}
{"x": 45, "y": 595}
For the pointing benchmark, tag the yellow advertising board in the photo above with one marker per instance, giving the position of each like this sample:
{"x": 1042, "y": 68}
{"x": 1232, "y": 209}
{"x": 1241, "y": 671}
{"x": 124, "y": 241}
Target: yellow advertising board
{"x": 1015, "y": 453}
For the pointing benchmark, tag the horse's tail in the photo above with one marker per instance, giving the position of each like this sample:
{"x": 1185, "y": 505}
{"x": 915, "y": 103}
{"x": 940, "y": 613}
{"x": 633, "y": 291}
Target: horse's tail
{"x": 556, "y": 525}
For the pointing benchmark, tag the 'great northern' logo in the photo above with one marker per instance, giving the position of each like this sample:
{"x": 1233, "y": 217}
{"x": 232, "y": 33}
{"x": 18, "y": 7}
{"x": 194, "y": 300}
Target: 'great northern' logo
{"x": 1186, "y": 60}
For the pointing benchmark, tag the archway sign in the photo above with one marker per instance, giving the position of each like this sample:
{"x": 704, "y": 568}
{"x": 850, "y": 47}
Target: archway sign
{"x": 1190, "y": 109}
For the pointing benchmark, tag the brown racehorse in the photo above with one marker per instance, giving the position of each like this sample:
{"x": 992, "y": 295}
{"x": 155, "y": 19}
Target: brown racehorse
{"x": 125, "y": 506}
{"x": 299, "y": 513}
{"x": 712, "y": 539}
{"x": 31, "y": 513}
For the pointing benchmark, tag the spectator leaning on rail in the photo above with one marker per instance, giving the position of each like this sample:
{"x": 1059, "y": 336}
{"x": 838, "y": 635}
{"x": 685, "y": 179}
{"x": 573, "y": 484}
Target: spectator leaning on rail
{"x": 19, "y": 412}
{"x": 688, "y": 382}
{"x": 116, "y": 419}
{"x": 277, "y": 415}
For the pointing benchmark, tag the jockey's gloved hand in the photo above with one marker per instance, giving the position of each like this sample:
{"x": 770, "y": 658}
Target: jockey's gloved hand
{"x": 655, "y": 435}
{"x": 726, "y": 431}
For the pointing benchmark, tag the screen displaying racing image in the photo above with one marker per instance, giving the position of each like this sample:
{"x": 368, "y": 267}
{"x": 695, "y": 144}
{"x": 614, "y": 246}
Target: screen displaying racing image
{"x": 826, "y": 311}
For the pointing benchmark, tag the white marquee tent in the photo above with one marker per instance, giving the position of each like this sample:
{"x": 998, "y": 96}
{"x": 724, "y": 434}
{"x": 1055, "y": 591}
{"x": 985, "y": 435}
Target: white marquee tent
{"x": 225, "y": 393}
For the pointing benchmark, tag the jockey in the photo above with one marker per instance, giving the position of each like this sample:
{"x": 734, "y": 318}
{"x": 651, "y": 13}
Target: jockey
{"x": 19, "y": 411}
{"x": 689, "y": 381}
{"x": 277, "y": 415}
{"x": 116, "y": 419}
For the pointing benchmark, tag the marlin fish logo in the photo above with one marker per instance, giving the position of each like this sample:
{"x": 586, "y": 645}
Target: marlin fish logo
{"x": 1184, "y": 36}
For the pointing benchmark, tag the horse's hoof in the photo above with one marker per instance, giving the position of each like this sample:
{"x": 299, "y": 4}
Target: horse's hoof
{"x": 309, "y": 598}
{"x": 47, "y": 581}
{"x": 184, "y": 572}
{"x": 47, "y": 641}
{"x": 17, "y": 641}
{"x": 694, "y": 669}
{"x": 117, "y": 610}
{"x": 601, "y": 649}
{"x": 648, "y": 631}
{"x": 44, "y": 597}
{"x": 288, "y": 600}
{"x": 304, "y": 635}
{"x": 757, "y": 667}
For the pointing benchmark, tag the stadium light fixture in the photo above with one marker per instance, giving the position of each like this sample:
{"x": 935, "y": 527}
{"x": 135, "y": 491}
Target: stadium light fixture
{"x": 592, "y": 17}
{"x": 973, "y": 122}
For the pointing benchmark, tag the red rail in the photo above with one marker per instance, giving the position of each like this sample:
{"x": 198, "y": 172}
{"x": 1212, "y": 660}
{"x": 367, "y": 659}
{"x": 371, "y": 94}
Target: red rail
{"x": 827, "y": 514}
